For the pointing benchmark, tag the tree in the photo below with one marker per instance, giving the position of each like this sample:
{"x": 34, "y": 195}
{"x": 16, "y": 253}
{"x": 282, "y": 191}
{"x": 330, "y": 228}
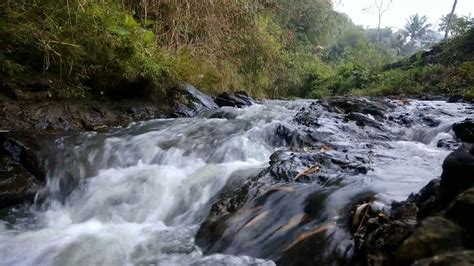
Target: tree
{"x": 457, "y": 25}
{"x": 380, "y": 6}
{"x": 449, "y": 19}
{"x": 417, "y": 29}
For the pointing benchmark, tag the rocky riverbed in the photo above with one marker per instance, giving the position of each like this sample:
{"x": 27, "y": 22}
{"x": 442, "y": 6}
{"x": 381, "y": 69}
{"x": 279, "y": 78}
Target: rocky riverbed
{"x": 241, "y": 182}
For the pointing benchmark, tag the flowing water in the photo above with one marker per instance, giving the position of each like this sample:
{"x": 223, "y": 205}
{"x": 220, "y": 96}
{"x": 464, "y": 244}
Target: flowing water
{"x": 138, "y": 195}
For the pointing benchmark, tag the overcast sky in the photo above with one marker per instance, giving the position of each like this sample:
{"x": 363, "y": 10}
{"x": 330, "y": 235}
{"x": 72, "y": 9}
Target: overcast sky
{"x": 401, "y": 9}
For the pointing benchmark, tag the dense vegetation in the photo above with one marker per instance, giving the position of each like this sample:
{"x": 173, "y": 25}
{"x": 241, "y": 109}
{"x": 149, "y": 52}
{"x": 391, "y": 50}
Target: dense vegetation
{"x": 271, "y": 48}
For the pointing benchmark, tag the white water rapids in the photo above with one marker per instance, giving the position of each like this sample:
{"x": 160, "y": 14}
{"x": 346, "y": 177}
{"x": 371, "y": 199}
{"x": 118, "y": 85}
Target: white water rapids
{"x": 137, "y": 196}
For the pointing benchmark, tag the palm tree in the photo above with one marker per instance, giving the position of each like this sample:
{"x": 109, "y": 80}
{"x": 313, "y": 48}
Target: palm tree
{"x": 416, "y": 28}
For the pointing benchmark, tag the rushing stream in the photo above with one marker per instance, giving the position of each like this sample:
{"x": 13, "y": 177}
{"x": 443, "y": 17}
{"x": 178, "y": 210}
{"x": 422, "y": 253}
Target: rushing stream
{"x": 138, "y": 195}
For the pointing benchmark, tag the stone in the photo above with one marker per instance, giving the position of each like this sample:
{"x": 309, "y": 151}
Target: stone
{"x": 458, "y": 172}
{"x": 465, "y": 130}
{"x": 435, "y": 235}
{"x": 234, "y": 99}
{"x": 461, "y": 210}
{"x": 17, "y": 185}
{"x": 461, "y": 258}
{"x": 194, "y": 101}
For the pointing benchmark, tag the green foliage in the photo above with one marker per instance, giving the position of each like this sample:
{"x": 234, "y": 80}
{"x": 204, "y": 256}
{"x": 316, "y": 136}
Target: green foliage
{"x": 458, "y": 26}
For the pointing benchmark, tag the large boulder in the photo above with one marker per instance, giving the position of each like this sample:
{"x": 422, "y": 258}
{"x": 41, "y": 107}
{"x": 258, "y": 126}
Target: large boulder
{"x": 25, "y": 148}
{"x": 434, "y": 236}
{"x": 17, "y": 185}
{"x": 458, "y": 172}
{"x": 192, "y": 101}
{"x": 461, "y": 210}
{"x": 234, "y": 99}
{"x": 465, "y": 130}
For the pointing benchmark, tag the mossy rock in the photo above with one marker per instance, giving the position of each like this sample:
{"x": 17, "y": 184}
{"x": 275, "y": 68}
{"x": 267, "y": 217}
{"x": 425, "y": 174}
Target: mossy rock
{"x": 434, "y": 236}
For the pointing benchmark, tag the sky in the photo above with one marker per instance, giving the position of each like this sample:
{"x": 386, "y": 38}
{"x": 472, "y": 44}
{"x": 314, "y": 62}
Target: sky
{"x": 401, "y": 9}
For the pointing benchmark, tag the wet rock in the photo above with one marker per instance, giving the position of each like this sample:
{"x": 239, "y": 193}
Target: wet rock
{"x": 194, "y": 102}
{"x": 25, "y": 148}
{"x": 461, "y": 210}
{"x": 454, "y": 99}
{"x": 448, "y": 144}
{"x": 458, "y": 172}
{"x": 309, "y": 115}
{"x": 461, "y": 258}
{"x": 434, "y": 236}
{"x": 226, "y": 114}
{"x": 347, "y": 105}
{"x": 239, "y": 214}
{"x": 364, "y": 120}
{"x": 234, "y": 99}
{"x": 17, "y": 185}
{"x": 465, "y": 130}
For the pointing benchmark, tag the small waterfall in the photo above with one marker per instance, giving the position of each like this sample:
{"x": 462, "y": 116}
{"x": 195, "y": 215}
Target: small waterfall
{"x": 137, "y": 195}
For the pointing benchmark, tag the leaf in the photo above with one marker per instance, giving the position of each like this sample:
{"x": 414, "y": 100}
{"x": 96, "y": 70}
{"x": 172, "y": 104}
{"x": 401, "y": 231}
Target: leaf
{"x": 313, "y": 232}
{"x": 256, "y": 220}
{"x": 359, "y": 216}
{"x": 294, "y": 221}
{"x": 313, "y": 169}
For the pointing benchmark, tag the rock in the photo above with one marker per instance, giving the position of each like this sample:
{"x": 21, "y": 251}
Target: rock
{"x": 461, "y": 210}
{"x": 240, "y": 215}
{"x": 25, "y": 149}
{"x": 234, "y": 99}
{"x": 194, "y": 101}
{"x": 364, "y": 120}
{"x": 461, "y": 258}
{"x": 434, "y": 236}
{"x": 454, "y": 99}
{"x": 458, "y": 172}
{"x": 17, "y": 185}
{"x": 465, "y": 130}
{"x": 309, "y": 115}
{"x": 224, "y": 114}
{"x": 347, "y": 105}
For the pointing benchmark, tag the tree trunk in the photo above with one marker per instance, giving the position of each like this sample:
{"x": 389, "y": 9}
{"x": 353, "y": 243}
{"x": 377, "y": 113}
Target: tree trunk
{"x": 450, "y": 18}
{"x": 378, "y": 28}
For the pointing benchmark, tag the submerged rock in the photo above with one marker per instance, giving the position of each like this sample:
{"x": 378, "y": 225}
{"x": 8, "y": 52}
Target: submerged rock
{"x": 234, "y": 99}
{"x": 277, "y": 206}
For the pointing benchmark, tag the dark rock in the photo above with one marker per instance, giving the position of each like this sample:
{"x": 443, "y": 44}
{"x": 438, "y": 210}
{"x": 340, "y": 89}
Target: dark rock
{"x": 462, "y": 209}
{"x": 230, "y": 222}
{"x": 227, "y": 114}
{"x": 434, "y": 236}
{"x": 234, "y": 99}
{"x": 465, "y": 130}
{"x": 194, "y": 102}
{"x": 17, "y": 185}
{"x": 461, "y": 258}
{"x": 458, "y": 172}
{"x": 346, "y": 105}
{"x": 454, "y": 99}
{"x": 308, "y": 115}
{"x": 448, "y": 144}
{"x": 25, "y": 149}
{"x": 364, "y": 120}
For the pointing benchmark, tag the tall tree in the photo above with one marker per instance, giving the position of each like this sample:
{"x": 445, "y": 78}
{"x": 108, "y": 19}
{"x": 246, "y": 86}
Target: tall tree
{"x": 417, "y": 28}
{"x": 450, "y": 18}
{"x": 381, "y": 7}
